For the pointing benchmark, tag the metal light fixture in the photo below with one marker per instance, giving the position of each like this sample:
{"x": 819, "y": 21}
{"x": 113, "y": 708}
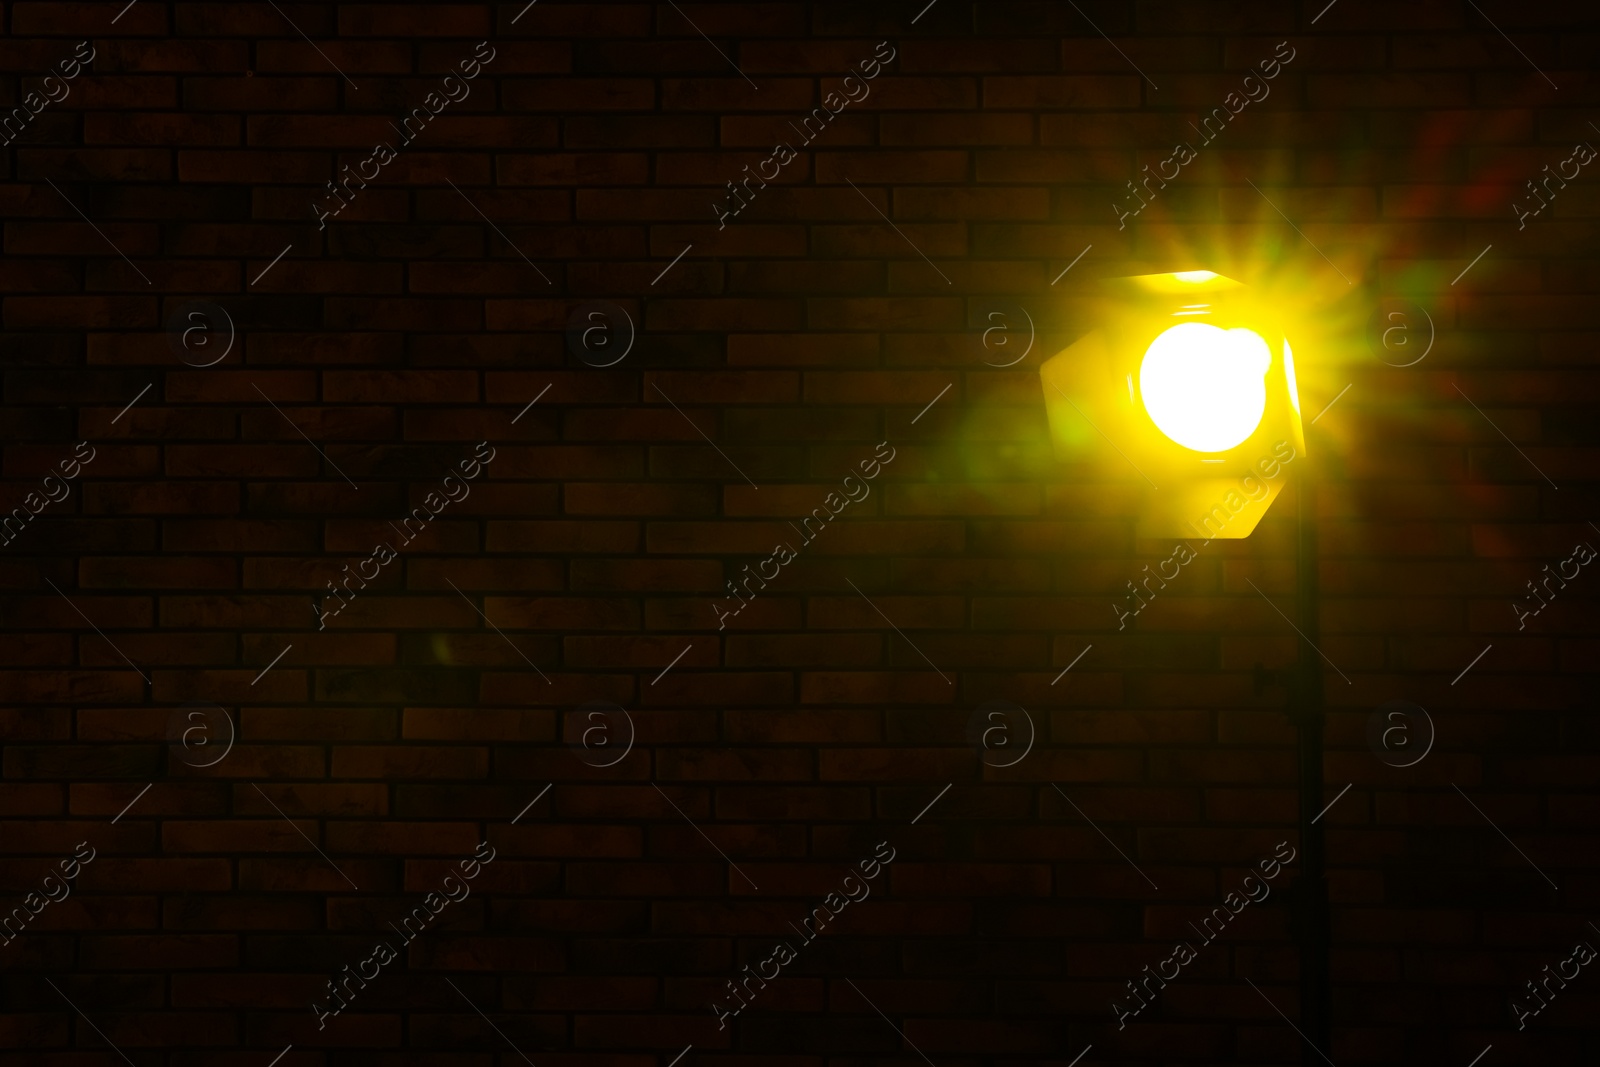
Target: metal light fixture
{"x": 1192, "y": 381}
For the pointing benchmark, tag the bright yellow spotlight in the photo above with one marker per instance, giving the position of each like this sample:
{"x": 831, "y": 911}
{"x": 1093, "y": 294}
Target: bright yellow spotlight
{"x": 1184, "y": 381}
{"x": 1206, "y": 387}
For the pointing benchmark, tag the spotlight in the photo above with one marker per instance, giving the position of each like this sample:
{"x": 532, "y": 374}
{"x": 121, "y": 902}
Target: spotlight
{"x": 1191, "y": 381}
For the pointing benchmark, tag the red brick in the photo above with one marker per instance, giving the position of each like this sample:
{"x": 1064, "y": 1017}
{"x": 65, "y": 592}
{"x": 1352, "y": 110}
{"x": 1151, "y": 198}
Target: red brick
{"x": 795, "y": 337}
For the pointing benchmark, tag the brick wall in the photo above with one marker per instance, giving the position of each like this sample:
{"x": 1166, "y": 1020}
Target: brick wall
{"x": 253, "y": 745}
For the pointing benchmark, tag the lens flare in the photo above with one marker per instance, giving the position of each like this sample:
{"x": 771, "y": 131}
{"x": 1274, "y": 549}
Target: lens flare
{"x": 1205, "y": 387}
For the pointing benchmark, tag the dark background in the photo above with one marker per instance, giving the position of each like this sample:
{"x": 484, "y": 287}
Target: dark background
{"x": 188, "y": 155}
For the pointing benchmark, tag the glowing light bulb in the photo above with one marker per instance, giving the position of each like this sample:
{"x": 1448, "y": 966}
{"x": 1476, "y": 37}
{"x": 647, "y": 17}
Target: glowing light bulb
{"x": 1205, "y": 387}
{"x": 1195, "y": 276}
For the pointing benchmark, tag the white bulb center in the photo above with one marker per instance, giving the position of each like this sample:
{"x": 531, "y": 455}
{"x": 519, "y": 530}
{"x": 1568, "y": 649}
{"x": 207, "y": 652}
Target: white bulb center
{"x": 1205, "y": 387}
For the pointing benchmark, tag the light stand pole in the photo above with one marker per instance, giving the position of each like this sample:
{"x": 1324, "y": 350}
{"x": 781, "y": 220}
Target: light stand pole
{"x": 1311, "y": 899}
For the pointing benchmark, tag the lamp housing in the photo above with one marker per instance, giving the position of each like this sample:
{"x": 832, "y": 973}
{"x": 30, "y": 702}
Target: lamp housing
{"x": 1192, "y": 380}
